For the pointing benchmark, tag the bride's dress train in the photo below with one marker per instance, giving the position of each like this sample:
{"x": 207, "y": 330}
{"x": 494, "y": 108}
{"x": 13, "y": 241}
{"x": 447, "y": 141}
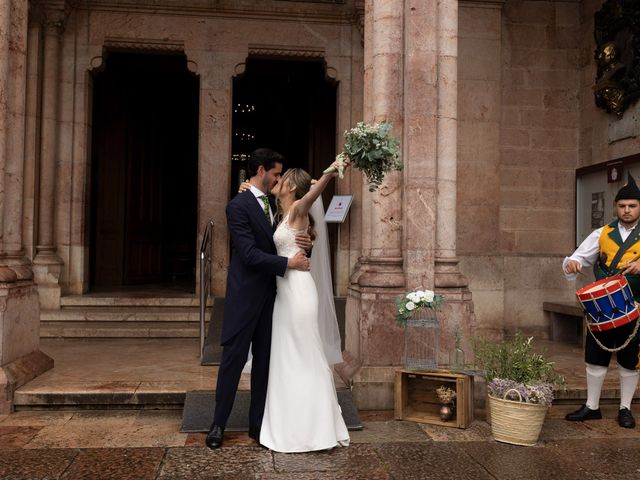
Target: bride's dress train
{"x": 301, "y": 411}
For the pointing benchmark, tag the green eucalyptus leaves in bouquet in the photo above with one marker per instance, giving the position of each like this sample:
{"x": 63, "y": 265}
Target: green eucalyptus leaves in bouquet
{"x": 371, "y": 149}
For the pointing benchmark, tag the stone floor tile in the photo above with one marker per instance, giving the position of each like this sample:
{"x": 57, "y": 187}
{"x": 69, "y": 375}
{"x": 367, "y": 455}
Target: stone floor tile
{"x": 372, "y": 474}
{"x": 354, "y": 458}
{"x": 608, "y": 427}
{"x": 116, "y": 464}
{"x": 34, "y": 464}
{"x": 227, "y": 462}
{"x": 16, "y": 436}
{"x": 376, "y": 415}
{"x": 610, "y": 458}
{"x": 230, "y": 439}
{"x": 508, "y": 462}
{"x": 3, "y": 418}
{"x": 433, "y": 460}
{"x": 556, "y": 428}
{"x": 391, "y": 431}
{"x": 108, "y": 435}
{"x": 37, "y": 418}
{"x": 477, "y": 431}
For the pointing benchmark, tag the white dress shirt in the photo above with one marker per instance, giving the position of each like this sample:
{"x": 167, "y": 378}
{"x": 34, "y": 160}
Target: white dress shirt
{"x": 588, "y": 251}
{"x": 258, "y": 194}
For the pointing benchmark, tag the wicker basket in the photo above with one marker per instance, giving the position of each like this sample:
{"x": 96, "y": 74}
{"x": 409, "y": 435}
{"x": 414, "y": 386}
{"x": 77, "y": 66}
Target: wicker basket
{"x": 518, "y": 423}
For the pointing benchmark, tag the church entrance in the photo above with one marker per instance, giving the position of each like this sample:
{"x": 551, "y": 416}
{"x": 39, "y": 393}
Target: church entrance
{"x": 144, "y": 173}
{"x": 289, "y": 106}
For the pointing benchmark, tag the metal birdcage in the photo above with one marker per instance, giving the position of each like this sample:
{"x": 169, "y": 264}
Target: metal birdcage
{"x": 421, "y": 339}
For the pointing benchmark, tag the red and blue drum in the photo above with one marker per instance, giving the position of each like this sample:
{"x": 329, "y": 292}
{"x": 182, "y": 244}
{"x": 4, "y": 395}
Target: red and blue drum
{"x": 608, "y": 303}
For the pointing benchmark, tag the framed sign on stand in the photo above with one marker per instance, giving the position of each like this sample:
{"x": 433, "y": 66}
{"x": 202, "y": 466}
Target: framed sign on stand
{"x": 337, "y": 213}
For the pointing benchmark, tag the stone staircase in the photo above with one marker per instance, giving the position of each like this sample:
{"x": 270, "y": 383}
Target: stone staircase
{"x": 99, "y": 316}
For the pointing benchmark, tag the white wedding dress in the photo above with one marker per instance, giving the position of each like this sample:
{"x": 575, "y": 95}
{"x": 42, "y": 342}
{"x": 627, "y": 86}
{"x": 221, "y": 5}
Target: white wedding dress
{"x": 301, "y": 411}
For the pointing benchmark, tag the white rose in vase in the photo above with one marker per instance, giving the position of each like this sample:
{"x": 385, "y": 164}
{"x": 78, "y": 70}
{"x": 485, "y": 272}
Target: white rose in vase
{"x": 428, "y": 296}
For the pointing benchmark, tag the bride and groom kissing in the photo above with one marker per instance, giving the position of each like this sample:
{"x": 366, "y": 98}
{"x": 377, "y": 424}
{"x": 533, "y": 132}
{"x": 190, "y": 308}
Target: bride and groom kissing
{"x": 271, "y": 307}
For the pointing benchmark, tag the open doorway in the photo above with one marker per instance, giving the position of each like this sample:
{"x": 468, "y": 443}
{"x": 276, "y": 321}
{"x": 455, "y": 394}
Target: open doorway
{"x": 144, "y": 173}
{"x": 289, "y": 106}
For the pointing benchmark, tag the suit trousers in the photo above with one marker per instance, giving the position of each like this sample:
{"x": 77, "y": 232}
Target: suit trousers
{"x": 234, "y": 357}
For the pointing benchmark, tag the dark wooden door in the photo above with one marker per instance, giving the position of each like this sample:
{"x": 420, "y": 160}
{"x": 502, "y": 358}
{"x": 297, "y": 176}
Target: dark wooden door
{"x": 144, "y": 172}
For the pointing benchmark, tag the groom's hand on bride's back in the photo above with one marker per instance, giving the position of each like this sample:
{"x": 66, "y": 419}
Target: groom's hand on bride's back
{"x": 299, "y": 262}
{"x": 303, "y": 241}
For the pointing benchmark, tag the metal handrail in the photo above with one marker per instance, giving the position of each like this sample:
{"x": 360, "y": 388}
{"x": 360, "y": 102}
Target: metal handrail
{"x": 205, "y": 278}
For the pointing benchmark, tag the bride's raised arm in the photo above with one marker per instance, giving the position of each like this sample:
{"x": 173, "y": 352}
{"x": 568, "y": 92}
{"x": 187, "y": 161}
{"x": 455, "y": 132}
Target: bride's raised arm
{"x": 303, "y": 205}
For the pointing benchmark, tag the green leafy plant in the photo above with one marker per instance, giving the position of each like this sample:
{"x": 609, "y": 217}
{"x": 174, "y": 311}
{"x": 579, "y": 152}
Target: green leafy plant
{"x": 371, "y": 149}
{"x": 512, "y": 364}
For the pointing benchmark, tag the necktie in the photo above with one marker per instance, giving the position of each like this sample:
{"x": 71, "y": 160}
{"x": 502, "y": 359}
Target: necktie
{"x": 267, "y": 211}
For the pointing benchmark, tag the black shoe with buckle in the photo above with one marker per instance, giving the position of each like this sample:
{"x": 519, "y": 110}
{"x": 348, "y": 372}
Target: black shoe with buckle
{"x": 625, "y": 419}
{"x": 583, "y": 413}
{"x": 214, "y": 437}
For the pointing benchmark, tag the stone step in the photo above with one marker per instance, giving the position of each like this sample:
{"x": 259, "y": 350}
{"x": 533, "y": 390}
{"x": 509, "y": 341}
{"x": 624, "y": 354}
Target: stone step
{"x": 96, "y": 300}
{"x": 115, "y": 395}
{"x": 122, "y": 329}
{"x": 122, "y": 314}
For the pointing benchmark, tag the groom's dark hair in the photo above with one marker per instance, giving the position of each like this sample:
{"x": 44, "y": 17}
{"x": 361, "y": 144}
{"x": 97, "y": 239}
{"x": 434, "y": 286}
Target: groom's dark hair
{"x": 265, "y": 157}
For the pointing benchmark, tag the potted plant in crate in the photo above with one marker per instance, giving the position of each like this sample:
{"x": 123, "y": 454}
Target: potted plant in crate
{"x": 520, "y": 388}
{"x": 416, "y": 313}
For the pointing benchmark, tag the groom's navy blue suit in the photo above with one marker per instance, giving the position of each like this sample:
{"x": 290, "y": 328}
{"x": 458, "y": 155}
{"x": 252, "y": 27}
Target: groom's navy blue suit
{"x": 251, "y": 291}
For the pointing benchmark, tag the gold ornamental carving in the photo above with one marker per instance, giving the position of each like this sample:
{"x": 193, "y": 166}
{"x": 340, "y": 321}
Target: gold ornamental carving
{"x": 617, "y": 55}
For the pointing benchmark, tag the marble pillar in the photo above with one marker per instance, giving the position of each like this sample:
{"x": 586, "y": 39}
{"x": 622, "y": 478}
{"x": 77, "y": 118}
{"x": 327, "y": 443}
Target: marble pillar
{"x": 411, "y": 80}
{"x": 20, "y": 357}
{"x": 47, "y": 263}
{"x": 373, "y": 337}
{"x": 15, "y": 147}
{"x": 448, "y": 280}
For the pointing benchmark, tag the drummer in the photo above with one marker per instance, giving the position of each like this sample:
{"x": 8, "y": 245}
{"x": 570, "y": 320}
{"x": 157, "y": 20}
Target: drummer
{"x": 612, "y": 249}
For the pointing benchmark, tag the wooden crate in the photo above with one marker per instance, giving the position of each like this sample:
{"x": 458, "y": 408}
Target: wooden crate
{"x": 416, "y": 399}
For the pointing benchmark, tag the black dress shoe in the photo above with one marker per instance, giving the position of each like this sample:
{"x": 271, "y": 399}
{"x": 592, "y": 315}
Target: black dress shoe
{"x": 214, "y": 437}
{"x": 625, "y": 419}
{"x": 582, "y": 414}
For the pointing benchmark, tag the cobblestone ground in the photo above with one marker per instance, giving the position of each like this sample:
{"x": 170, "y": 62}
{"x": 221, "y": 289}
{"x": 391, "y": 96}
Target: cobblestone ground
{"x": 147, "y": 445}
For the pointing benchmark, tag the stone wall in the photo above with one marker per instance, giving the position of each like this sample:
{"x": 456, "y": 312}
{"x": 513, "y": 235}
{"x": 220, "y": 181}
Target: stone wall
{"x": 520, "y": 101}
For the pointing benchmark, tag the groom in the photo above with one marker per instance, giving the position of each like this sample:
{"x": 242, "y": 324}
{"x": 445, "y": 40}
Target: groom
{"x": 251, "y": 291}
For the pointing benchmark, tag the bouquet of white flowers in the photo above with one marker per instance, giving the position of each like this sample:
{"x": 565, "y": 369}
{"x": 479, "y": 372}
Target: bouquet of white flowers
{"x": 371, "y": 149}
{"x": 412, "y": 301}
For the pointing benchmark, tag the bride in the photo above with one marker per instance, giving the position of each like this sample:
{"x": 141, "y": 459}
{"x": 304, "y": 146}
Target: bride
{"x": 301, "y": 412}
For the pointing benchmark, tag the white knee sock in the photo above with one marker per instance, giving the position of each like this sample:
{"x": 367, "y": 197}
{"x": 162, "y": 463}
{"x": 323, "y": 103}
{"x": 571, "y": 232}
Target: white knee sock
{"x": 628, "y": 384}
{"x": 595, "y": 379}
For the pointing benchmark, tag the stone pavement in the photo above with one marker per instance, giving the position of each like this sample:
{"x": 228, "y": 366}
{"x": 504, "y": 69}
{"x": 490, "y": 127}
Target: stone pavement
{"x": 146, "y": 444}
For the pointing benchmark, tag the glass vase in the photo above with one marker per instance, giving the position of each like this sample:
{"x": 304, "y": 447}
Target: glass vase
{"x": 456, "y": 358}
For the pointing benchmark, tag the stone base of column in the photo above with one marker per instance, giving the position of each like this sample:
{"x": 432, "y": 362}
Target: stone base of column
{"x": 374, "y": 340}
{"x": 47, "y": 267}
{"x": 20, "y": 357}
{"x": 20, "y": 264}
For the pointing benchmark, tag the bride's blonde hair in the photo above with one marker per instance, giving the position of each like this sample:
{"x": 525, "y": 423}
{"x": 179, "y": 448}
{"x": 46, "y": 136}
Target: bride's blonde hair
{"x": 299, "y": 178}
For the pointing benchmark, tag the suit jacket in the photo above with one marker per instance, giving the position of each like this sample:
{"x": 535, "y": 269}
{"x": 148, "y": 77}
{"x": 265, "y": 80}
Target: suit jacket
{"x": 251, "y": 280}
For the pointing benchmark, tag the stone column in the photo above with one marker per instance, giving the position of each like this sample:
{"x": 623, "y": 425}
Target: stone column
{"x": 15, "y": 148}
{"x": 448, "y": 279}
{"x": 20, "y": 359}
{"x": 47, "y": 263}
{"x": 6, "y": 274}
{"x": 373, "y": 338}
